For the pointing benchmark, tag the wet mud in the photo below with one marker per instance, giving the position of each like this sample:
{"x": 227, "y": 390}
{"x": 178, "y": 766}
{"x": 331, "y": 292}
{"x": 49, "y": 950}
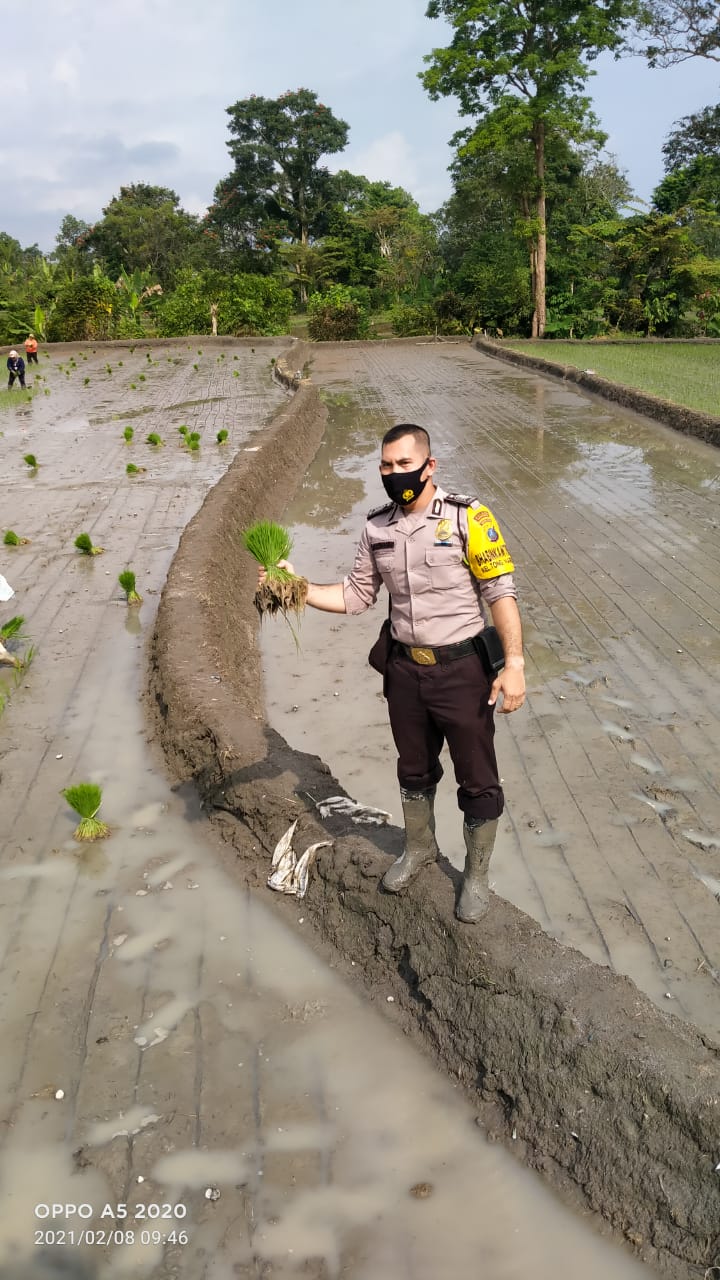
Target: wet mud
{"x": 614, "y": 1099}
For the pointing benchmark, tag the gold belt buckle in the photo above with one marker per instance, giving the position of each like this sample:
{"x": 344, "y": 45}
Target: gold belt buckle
{"x": 424, "y": 657}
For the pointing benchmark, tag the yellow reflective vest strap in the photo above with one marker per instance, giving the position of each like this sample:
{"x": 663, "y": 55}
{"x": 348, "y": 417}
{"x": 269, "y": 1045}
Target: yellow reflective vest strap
{"x": 487, "y": 554}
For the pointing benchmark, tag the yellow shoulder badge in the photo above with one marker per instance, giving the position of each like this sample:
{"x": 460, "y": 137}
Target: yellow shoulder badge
{"x": 488, "y": 555}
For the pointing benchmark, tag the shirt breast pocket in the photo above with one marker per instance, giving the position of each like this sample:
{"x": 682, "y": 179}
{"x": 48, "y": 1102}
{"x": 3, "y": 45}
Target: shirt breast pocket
{"x": 444, "y": 567}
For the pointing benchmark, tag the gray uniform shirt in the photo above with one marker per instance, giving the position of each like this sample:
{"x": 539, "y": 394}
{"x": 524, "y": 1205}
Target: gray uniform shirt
{"x": 435, "y": 598}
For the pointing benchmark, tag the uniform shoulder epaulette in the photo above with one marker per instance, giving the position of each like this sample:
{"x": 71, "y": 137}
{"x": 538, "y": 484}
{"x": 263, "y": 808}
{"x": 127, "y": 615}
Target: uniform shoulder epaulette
{"x": 462, "y": 500}
{"x": 377, "y": 511}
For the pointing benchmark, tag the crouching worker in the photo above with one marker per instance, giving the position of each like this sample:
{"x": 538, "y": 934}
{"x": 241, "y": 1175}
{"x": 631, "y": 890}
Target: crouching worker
{"x": 441, "y": 557}
{"x": 16, "y": 369}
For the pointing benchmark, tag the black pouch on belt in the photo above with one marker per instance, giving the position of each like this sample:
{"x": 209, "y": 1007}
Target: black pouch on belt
{"x": 490, "y": 649}
{"x": 380, "y": 652}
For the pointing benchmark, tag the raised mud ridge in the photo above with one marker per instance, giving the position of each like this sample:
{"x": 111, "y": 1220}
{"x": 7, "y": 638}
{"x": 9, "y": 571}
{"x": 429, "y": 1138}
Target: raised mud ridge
{"x": 705, "y": 426}
{"x": 616, "y": 1102}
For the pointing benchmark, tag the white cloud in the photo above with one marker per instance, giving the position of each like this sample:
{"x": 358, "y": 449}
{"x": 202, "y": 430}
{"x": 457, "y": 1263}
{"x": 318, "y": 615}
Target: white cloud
{"x": 64, "y": 71}
{"x": 386, "y": 159}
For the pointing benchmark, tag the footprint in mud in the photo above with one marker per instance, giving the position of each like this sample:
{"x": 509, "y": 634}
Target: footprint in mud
{"x": 646, "y": 764}
{"x": 616, "y": 731}
{"x": 156, "y": 1029}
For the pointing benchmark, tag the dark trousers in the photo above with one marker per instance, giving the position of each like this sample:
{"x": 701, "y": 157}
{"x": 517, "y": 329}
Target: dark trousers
{"x": 13, "y": 376}
{"x": 429, "y": 706}
{"x": 31, "y": 357}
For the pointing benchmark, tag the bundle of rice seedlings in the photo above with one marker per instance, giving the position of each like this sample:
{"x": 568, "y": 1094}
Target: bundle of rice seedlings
{"x": 132, "y": 470}
{"x": 194, "y": 435}
{"x": 86, "y": 382}
{"x": 83, "y": 542}
{"x": 127, "y": 582}
{"x": 128, "y": 434}
{"x": 142, "y": 378}
{"x": 12, "y": 540}
{"x": 31, "y": 461}
{"x": 11, "y": 629}
{"x": 281, "y": 592}
{"x": 154, "y": 439}
{"x": 222, "y": 436}
{"x": 183, "y": 431}
{"x": 85, "y": 798}
{"x": 193, "y": 445}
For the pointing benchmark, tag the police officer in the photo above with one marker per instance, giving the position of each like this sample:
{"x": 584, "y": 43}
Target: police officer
{"x": 441, "y": 557}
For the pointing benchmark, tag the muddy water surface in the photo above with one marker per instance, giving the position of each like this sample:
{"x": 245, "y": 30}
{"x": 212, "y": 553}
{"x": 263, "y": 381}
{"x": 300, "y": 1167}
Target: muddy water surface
{"x": 167, "y": 1045}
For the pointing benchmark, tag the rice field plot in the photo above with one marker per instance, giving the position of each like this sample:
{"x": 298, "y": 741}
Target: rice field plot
{"x": 684, "y": 373}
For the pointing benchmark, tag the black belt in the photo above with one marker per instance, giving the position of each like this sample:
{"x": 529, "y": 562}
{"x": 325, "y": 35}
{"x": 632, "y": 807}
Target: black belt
{"x": 427, "y": 655}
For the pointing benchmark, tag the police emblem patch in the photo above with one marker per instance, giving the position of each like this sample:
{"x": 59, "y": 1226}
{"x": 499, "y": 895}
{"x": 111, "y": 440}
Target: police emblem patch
{"x": 408, "y": 494}
{"x": 492, "y": 534}
{"x": 443, "y": 531}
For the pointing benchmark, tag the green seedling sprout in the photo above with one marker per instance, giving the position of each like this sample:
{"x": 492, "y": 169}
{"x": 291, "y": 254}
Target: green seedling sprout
{"x": 148, "y": 356}
{"x": 154, "y": 439}
{"x": 83, "y": 542}
{"x": 85, "y": 798}
{"x": 193, "y": 445}
{"x": 142, "y": 378}
{"x": 183, "y": 431}
{"x": 46, "y": 392}
{"x": 86, "y": 382}
{"x": 128, "y": 434}
{"x": 132, "y": 470}
{"x": 222, "y": 436}
{"x": 31, "y": 461}
{"x": 199, "y": 351}
{"x": 120, "y": 364}
{"x": 196, "y": 366}
{"x": 133, "y": 386}
{"x": 108, "y": 368}
{"x": 235, "y": 373}
{"x": 127, "y": 582}
{"x": 12, "y": 540}
{"x": 11, "y": 629}
{"x": 194, "y": 435}
{"x": 281, "y": 592}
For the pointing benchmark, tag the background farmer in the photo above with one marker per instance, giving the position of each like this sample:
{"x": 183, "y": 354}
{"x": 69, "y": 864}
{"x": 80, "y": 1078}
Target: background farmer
{"x": 31, "y": 349}
{"x": 16, "y": 369}
{"x": 422, "y": 546}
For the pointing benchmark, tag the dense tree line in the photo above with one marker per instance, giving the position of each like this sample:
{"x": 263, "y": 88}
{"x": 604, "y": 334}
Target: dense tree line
{"x": 540, "y": 236}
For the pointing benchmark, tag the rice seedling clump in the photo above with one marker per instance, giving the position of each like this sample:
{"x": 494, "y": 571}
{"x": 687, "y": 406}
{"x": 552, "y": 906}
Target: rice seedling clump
{"x": 222, "y": 436}
{"x": 83, "y": 542}
{"x": 127, "y": 582}
{"x": 30, "y": 460}
{"x": 281, "y": 592}
{"x": 132, "y": 470}
{"x": 128, "y": 434}
{"x": 154, "y": 439}
{"x": 85, "y": 798}
{"x": 11, "y": 539}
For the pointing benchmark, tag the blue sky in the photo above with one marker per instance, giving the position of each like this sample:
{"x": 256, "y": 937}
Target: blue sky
{"x": 95, "y": 95}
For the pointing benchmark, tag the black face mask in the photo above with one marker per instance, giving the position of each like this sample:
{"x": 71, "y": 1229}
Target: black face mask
{"x": 403, "y": 487}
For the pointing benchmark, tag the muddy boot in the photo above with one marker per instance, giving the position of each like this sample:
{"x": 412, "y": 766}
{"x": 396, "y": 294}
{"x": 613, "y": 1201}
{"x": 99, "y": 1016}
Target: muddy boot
{"x": 475, "y": 896}
{"x": 420, "y": 843}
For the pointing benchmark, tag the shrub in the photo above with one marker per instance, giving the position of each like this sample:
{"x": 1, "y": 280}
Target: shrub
{"x": 408, "y": 320}
{"x": 336, "y": 316}
{"x": 84, "y": 310}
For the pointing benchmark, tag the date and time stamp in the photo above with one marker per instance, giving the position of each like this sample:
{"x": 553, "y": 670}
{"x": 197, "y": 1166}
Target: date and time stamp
{"x": 69, "y": 1224}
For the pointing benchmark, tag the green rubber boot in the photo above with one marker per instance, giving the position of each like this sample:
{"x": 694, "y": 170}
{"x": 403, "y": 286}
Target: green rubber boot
{"x": 420, "y": 843}
{"x": 475, "y": 895}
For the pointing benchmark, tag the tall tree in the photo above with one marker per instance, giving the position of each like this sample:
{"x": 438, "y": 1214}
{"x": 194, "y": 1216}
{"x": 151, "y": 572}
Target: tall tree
{"x": 277, "y": 181}
{"x": 144, "y": 227}
{"x": 671, "y": 31}
{"x": 517, "y": 67}
{"x": 693, "y": 136}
